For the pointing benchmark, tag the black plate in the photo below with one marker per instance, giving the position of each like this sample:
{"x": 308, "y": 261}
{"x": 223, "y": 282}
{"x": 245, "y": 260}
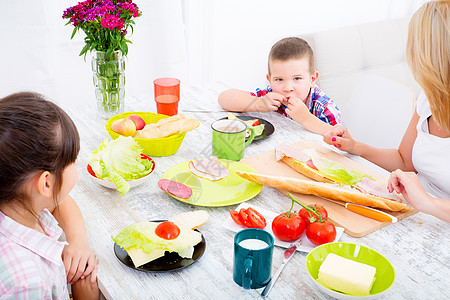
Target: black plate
{"x": 171, "y": 261}
{"x": 268, "y": 127}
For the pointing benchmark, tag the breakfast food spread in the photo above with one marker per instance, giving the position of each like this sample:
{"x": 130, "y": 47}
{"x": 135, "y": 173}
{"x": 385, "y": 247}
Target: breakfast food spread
{"x": 168, "y": 126}
{"x": 208, "y": 168}
{"x": 339, "y": 192}
{"x": 147, "y": 241}
{"x": 346, "y": 276}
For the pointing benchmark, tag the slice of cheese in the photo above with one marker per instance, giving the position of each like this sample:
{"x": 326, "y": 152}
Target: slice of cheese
{"x": 140, "y": 258}
{"x": 346, "y": 276}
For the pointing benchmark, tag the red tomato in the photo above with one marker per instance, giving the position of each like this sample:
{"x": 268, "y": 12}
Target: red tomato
{"x": 288, "y": 228}
{"x": 244, "y": 217}
{"x": 256, "y": 123}
{"x": 321, "y": 233}
{"x": 307, "y": 215}
{"x": 236, "y": 217}
{"x": 167, "y": 230}
{"x": 256, "y": 219}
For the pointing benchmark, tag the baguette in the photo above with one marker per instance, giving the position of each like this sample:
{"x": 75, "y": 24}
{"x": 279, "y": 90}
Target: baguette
{"x": 306, "y": 170}
{"x": 325, "y": 190}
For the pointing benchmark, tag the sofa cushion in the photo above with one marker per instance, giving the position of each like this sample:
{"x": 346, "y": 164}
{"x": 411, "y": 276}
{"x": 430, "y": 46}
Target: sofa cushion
{"x": 345, "y": 54}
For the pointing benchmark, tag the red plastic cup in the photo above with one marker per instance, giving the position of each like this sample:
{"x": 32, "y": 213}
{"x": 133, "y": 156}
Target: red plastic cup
{"x": 167, "y": 95}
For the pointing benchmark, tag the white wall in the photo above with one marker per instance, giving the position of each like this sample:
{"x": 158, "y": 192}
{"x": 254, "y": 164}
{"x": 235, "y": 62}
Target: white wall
{"x": 199, "y": 41}
{"x": 242, "y": 32}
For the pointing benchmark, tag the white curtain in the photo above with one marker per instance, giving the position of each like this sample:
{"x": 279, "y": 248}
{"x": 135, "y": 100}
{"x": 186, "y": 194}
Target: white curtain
{"x": 36, "y": 52}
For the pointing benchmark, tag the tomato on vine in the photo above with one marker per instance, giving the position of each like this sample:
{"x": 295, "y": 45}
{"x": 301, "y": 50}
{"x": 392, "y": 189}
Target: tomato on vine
{"x": 309, "y": 216}
{"x": 288, "y": 226}
{"x": 319, "y": 231}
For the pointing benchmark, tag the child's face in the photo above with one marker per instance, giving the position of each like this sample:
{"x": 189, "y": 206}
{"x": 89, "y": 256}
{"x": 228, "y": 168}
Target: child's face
{"x": 69, "y": 178}
{"x": 292, "y": 78}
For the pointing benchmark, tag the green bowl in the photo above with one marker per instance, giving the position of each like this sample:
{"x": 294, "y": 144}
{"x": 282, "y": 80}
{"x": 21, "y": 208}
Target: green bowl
{"x": 384, "y": 277}
{"x": 152, "y": 147}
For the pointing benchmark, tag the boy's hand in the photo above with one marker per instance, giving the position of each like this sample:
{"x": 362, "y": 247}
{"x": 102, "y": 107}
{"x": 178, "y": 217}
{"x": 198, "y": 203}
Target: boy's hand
{"x": 269, "y": 102}
{"x": 340, "y": 137}
{"x": 79, "y": 261}
{"x": 297, "y": 110}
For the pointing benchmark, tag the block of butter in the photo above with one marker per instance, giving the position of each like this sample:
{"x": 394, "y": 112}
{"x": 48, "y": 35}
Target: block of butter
{"x": 346, "y": 276}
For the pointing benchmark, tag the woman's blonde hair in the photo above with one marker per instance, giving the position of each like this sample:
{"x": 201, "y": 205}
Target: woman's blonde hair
{"x": 428, "y": 53}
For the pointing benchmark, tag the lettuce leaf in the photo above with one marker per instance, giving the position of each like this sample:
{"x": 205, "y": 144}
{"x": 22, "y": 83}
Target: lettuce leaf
{"x": 118, "y": 161}
{"x": 336, "y": 171}
{"x": 142, "y": 236}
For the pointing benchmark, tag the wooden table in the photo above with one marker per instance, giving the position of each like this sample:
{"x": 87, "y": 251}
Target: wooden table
{"x": 418, "y": 246}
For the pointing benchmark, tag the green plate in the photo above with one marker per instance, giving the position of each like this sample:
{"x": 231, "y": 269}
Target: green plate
{"x": 230, "y": 190}
{"x": 384, "y": 277}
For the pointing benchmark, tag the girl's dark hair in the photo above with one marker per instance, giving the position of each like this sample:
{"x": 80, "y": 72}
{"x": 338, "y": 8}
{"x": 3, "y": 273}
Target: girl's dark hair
{"x": 35, "y": 136}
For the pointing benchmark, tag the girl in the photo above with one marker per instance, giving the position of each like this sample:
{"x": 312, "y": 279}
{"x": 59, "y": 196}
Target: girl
{"x": 39, "y": 145}
{"x": 425, "y": 146}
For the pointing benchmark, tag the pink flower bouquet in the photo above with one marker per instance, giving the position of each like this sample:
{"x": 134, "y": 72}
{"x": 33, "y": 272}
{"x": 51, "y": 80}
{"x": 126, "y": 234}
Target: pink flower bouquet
{"x": 105, "y": 23}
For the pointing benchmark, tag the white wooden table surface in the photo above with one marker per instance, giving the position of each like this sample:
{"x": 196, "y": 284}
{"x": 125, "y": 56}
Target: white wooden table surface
{"x": 418, "y": 246}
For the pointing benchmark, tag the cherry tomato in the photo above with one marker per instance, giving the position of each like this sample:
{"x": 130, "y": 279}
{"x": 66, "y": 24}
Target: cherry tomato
{"x": 321, "y": 233}
{"x": 256, "y": 219}
{"x": 167, "y": 230}
{"x": 288, "y": 226}
{"x": 236, "y": 217}
{"x": 308, "y": 216}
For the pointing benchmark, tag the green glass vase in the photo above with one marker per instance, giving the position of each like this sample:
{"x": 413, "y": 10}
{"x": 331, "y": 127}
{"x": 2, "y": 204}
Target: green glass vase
{"x": 109, "y": 82}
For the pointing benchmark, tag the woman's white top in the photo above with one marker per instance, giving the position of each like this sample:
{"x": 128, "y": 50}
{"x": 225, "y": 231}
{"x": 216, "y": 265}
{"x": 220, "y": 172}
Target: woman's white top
{"x": 431, "y": 154}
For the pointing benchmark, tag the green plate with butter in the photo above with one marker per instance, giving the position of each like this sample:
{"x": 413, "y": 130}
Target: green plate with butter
{"x": 230, "y": 190}
{"x": 384, "y": 276}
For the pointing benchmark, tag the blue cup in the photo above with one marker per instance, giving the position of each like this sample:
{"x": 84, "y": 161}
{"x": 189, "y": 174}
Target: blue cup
{"x": 252, "y": 264}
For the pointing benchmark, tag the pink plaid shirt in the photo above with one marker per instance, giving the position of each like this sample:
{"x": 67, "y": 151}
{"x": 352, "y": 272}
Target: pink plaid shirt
{"x": 31, "y": 266}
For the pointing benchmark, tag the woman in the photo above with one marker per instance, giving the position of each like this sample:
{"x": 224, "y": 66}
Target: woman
{"x": 425, "y": 147}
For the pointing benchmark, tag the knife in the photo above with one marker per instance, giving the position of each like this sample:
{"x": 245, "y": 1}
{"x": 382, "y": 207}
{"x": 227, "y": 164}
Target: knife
{"x": 370, "y": 212}
{"x": 287, "y": 256}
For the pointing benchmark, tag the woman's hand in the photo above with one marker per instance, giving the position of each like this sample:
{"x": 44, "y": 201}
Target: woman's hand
{"x": 340, "y": 137}
{"x": 268, "y": 102}
{"x": 407, "y": 184}
{"x": 79, "y": 261}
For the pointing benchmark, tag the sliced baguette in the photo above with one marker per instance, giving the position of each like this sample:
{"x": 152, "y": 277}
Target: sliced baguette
{"x": 306, "y": 170}
{"x": 325, "y": 190}
{"x": 191, "y": 219}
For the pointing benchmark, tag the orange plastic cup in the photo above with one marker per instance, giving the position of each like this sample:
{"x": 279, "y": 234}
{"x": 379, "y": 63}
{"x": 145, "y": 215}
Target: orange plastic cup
{"x": 167, "y": 95}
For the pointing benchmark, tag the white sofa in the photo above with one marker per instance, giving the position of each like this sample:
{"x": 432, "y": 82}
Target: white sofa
{"x": 344, "y": 55}
{"x": 363, "y": 69}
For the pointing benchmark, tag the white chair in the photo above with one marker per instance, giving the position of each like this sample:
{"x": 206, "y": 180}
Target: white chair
{"x": 378, "y": 111}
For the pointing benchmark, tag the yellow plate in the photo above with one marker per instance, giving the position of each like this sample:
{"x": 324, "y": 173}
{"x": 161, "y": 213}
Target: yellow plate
{"x": 230, "y": 190}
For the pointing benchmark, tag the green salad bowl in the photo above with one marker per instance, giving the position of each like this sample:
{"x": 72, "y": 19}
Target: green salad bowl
{"x": 384, "y": 277}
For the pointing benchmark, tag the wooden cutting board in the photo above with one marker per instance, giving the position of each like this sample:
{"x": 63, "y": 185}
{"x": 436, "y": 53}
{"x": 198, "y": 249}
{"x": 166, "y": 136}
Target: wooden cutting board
{"x": 354, "y": 224}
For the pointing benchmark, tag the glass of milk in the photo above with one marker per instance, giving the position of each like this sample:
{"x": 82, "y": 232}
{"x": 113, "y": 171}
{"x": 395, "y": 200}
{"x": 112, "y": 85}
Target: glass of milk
{"x": 252, "y": 263}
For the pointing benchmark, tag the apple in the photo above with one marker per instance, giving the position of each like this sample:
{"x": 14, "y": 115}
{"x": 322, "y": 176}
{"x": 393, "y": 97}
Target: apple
{"x": 124, "y": 127}
{"x": 138, "y": 121}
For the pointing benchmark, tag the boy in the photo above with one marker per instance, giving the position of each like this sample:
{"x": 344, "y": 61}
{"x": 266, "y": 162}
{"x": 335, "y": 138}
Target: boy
{"x": 292, "y": 91}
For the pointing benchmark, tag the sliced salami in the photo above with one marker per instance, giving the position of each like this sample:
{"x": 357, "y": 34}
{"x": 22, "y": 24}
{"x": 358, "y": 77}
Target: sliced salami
{"x": 175, "y": 188}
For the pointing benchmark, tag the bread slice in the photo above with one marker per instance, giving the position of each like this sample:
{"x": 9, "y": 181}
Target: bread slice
{"x": 191, "y": 219}
{"x": 325, "y": 190}
{"x": 306, "y": 170}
